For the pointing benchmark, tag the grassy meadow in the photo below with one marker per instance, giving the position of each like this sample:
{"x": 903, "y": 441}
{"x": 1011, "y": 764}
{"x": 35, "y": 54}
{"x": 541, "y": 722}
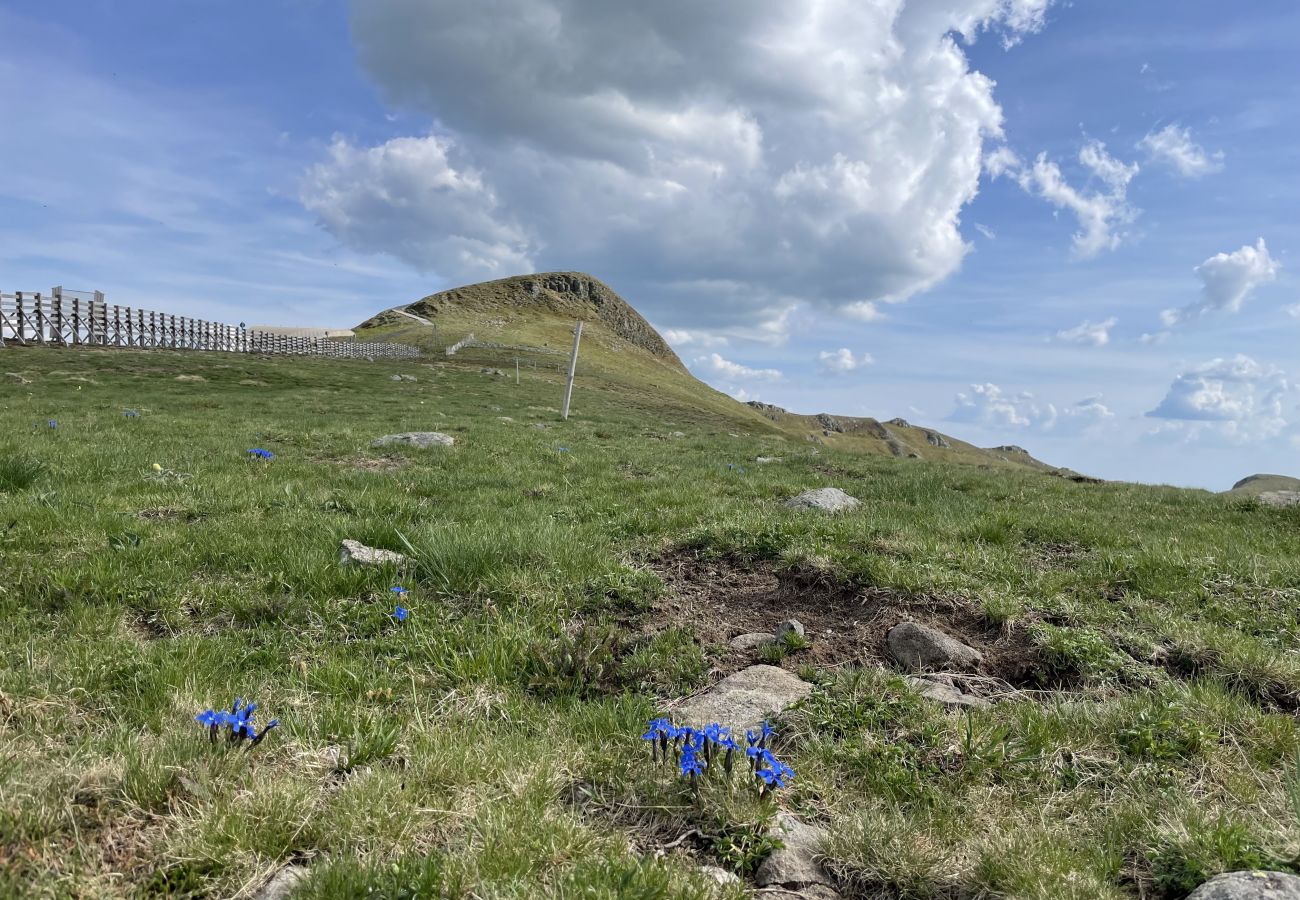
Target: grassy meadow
{"x": 1142, "y": 645}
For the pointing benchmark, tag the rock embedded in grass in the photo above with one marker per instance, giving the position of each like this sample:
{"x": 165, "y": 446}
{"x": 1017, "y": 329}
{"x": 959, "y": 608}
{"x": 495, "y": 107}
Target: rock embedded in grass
{"x": 720, "y": 875}
{"x": 933, "y": 688}
{"x": 789, "y": 627}
{"x": 1249, "y": 885}
{"x": 282, "y": 884}
{"x": 826, "y": 499}
{"x": 421, "y": 439}
{"x": 919, "y": 647}
{"x": 744, "y": 699}
{"x": 1279, "y": 499}
{"x": 357, "y": 553}
{"x": 798, "y": 862}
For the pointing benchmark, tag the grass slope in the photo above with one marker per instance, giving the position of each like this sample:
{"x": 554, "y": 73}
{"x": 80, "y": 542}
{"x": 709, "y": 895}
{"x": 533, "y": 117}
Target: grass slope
{"x": 531, "y": 318}
{"x": 1147, "y": 677}
{"x": 1259, "y": 484}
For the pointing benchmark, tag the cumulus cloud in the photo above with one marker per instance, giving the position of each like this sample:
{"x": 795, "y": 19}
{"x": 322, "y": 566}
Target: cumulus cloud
{"x": 988, "y": 406}
{"x": 1101, "y": 212}
{"x": 409, "y": 198}
{"x": 683, "y": 337}
{"x": 716, "y": 365}
{"x": 1242, "y": 398}
{"x": 1095, "y": 333}
{"x": 842, "y": 361}
{"x": 791, "y": 153}
{"x": 1227, "y": 279}
{"x": 1173, "y": 146}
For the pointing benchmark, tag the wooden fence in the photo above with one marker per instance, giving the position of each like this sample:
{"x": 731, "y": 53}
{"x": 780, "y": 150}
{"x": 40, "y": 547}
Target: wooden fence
{"x": 84, "y": 320}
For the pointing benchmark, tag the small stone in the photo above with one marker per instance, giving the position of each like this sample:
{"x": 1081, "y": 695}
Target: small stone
{"x": 407, "y": 378}
{"x": 720, "y": 875}
{"x": 1249, "y": 885}
{"x": 357, "y": 553}
{"x": 789, "y": 627}
{"x": 799, "y": 861}
{"x": 744, "y": 699}
{"x": 282, "y": 883}
{"x": 920, "y": 647}
{"x": 826, "y": 499}
{"x": 750, "y": 641}
{"x": 421, "y": 439}
{"x": 190, "y": 378}
{"x": 949, "y": 695}
{"x": 395, "y": 378}
{"x": 767, "y": 459}
{"x": 504, "y": 419}
{"x": 678, "y": 434}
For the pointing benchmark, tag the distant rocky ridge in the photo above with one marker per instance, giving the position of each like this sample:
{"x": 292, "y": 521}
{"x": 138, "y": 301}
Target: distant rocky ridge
{"x": 573, "y": 294}
{"x": 1263, "y": 483}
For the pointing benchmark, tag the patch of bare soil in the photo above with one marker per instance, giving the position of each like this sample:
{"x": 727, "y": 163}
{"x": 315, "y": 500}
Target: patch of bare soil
{"x": 718, "y": 599}
{"x": 1057, "y": 554}
{"x": 373, "y": 463}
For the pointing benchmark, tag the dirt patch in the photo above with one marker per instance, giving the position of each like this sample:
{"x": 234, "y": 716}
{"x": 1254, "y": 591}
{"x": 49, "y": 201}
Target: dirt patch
{"x": 169, "y": 514}
{"x": 718, "y": 599}
{"x": 373, "y": 463}
{"x": 1057, "y": 554}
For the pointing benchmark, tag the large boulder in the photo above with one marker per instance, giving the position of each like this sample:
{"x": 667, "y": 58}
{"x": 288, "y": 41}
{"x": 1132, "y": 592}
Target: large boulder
{"x": 1279, "y": 499}
{"x": 798, "y": 862}
{"x": 420, "y": 439}
{"x": 744, "y": 699}
{"x": 1249, "y": 885}
{"x": 826, "y": 499}
{"x": 919, "y": 647}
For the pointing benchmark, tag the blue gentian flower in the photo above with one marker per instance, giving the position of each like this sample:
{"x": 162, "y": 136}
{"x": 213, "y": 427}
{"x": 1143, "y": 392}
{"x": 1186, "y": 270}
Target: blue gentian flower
{"x": 130, "y": 414}
{"x": 691, "y": 764}
{"x": 561, "y": 449}
{"x": 398, "y": 589}
{"x": 239, "y": 719}
{"x": 261, "y": 454}
{"x": 401, "y": 613}
{"x": 53, "y": 423}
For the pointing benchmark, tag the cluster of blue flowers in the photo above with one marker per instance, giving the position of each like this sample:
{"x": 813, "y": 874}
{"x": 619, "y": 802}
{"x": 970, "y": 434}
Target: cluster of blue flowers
{"x": 261, "y": 454}
{"x": 131, "y": 413}
{"x": 52, "y": 423}
{"x": 698, "y": 751}
{"x": 240, "y": 722}
{"x": 401, "y": 613}
{"x": 732, "y": 467}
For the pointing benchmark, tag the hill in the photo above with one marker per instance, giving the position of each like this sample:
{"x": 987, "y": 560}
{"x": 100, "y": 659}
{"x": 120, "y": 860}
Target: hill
{"x": 1259, "y": 484}
{"x": 1111, "y": 713}
{"x": 531, "y": 317}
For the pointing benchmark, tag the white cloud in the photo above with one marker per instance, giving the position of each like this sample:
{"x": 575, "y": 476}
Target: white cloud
{"x": 986, "y": 231}
{"x": 805, "y": 154}
{"x": 1227, "y": 279}
{"x": 1087, "y": 332}
{"x": 714, "y": 364}
{"x": 1174, "y": 147}
{"x": 864, "y": 311}
{"x": 1157, "y": 337}
{"x": 1294, "y": 310}
{"x": 409, "y": 199}
{"x": 682, "y": 337}
{"x": 988, "y": 406}
{"x": 1101, "y": 213}
{"x": 842, "y": 361}
{"x": 1241, "y": 398}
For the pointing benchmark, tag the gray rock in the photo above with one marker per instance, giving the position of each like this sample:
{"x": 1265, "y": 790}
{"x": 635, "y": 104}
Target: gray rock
{"x": 394, "y": 377}
{"x": 750, "y": 641}
{"x": 744, "y": 699}
{"x": 357, "y": 553}
{"x": 946, "y": 693}
{"x": 487, "y": 371}
{"x": 918, "y": 647}
{"x": 789, "y": 626}
{"x": 420, "y": 439}
{"x": 1279, "y": 499}
{"x": 407, "y": 378}
{"x": 1249, "y": 885}
{"x": 799, "y": 861}
{"x": 767, "y": 459}
{"x": 827, "y": 499}
{"x": 900, "y": 422}
{"x": 720, "y": 875}
{"x": 678, "y": 434}
{"x": 935, "y": 439}
{"x": 282, "y": 883}
{"x": 830, "y": 423}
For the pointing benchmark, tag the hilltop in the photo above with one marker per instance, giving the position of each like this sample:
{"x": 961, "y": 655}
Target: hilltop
{"x": 1253, "y": 485}
{"x": 532, "y": 317}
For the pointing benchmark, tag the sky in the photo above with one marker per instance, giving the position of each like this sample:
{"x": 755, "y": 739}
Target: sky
{"x": 1070, "y": 226}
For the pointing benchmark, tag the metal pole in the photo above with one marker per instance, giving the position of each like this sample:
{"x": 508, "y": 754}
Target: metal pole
{"x": 573, "y": 367}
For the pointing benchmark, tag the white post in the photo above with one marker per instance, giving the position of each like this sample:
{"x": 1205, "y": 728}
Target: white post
{"x": 573, "y": 367}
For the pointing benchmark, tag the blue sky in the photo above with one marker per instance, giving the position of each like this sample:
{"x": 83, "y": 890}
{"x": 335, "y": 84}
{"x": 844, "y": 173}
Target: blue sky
{"x": 1069, "y": 226}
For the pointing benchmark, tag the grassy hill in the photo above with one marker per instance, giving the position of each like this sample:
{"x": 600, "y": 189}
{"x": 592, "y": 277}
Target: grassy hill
{"x": 570, "y": 581}
{"x": 1258, "y": 484}
{"x": 532, "y": 317}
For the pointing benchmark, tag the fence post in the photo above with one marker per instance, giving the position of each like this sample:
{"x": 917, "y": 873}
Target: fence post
{"x": 22, "y": 319}
{"x": 573, "y": 367}
{"x": 56, "y": 315}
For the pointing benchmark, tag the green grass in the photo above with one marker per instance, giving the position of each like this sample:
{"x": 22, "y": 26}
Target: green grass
{"x": 490, "y": 746}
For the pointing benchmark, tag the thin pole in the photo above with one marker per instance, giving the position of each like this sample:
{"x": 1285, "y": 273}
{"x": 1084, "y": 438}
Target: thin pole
{"x": 573, "y": 367}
